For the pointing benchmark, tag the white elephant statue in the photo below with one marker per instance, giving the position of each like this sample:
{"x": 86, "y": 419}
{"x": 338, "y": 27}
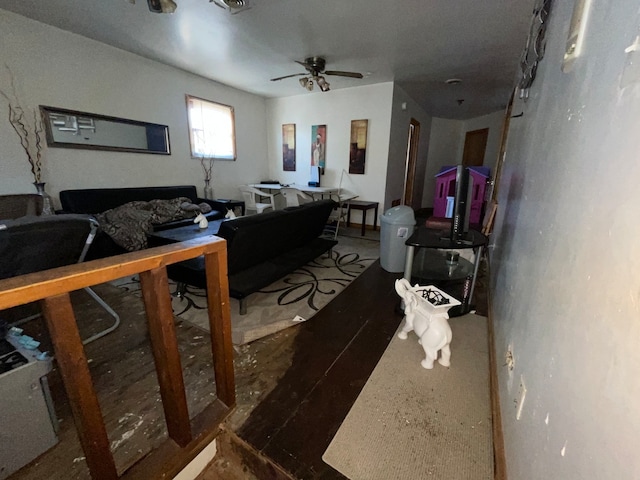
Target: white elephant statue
{"x": 428, "y": 321}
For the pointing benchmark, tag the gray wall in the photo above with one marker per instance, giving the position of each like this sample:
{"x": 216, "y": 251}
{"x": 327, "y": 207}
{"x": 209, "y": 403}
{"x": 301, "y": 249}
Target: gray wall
{"x": 403, "y": 109}
{"x": 566, "y": 262}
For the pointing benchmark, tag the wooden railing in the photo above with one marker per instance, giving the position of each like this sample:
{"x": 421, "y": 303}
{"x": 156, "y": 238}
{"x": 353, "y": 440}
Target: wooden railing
{"x": 52, "y": 288}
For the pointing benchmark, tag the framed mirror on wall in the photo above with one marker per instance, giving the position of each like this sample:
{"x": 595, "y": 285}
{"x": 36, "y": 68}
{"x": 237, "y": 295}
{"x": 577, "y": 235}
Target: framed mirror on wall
{"x": 72, "y": 129}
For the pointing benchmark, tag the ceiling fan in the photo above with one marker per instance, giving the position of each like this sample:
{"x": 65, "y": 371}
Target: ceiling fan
{"x": 315, "y": 71}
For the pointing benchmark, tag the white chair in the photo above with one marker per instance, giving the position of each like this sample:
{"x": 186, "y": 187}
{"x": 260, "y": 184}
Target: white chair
{"x": 249, "y": 195}
{"x": 343, "y": 198}
{"x": 293, "y": 196}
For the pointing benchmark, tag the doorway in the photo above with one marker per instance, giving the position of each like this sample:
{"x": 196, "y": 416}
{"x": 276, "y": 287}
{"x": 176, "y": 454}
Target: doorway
{"x": 411, "y": 161}
{"x": 475, "y": 144}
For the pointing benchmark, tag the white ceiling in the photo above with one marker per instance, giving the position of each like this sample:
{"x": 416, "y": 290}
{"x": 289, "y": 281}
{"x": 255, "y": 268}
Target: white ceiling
{"x": 417, "y": 43}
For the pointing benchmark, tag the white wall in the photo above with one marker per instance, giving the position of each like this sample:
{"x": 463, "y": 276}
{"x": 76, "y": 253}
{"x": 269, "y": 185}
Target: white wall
{"x": 59, "y": 69}
{"x": 335, "y": 109}
{"x": 403, "y": 110}
{"x": 444, "y": 149}
{"x": 566, "y": 263}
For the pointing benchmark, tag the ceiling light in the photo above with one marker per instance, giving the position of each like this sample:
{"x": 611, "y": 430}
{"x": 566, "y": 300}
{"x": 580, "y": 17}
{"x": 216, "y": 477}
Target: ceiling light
{"x": 235, "y": 3}
{"x": 232, "y": 6}
{"x": 323, "y": 84}
{"x": 162, "y": 6}
{"x": 307, "y": 83}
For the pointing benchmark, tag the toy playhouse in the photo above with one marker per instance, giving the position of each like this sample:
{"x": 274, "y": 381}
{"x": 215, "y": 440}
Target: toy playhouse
{"x": 446, "y": 187}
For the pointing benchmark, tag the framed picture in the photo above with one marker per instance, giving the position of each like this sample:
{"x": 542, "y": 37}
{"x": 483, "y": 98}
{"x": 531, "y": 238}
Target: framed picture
{"x": 318, "y": 144}
{"x": 289, "y": 147}
{"x": 358, "y": 146}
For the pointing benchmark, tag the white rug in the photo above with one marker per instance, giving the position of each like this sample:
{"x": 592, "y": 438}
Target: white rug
{"x": 292, "y": 299}
{"x": 413, "y": 423}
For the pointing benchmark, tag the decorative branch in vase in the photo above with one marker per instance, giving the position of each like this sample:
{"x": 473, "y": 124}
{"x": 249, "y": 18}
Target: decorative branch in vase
{"x": 207, "y": 167}
{"x": 27, "y": 123}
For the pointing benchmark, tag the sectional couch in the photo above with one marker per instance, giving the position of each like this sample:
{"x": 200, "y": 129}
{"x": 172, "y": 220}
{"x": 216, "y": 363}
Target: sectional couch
{"x": 98, "y": 200}
{"x": 263, "y": 248}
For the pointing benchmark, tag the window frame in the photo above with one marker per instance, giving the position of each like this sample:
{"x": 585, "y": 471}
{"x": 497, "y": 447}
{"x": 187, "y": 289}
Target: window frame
{"x": 231, "y": 110}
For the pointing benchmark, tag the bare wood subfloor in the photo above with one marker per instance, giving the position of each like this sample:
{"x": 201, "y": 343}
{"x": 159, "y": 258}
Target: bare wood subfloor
{"x": 124, "y": 376}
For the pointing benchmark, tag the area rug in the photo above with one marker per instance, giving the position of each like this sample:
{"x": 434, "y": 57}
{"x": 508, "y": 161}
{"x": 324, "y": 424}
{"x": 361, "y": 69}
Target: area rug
{"x": 292, "y": 299}
{"x": 409, "y": 422}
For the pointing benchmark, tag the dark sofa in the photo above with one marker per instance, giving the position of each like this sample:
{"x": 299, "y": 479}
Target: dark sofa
{"x": 97, "y": 200}
{"x": 263, "y": 248}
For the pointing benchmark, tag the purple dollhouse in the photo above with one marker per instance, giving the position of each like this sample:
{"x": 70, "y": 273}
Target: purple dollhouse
{"x": 445, "y": 191}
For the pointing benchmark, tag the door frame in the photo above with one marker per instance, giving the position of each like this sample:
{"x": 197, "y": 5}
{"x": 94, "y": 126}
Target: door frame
{"x": 411, "y": 161}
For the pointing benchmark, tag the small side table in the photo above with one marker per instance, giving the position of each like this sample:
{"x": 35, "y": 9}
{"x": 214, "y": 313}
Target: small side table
{"x": 363, "y": 206}
{"x": 230, "y": 204}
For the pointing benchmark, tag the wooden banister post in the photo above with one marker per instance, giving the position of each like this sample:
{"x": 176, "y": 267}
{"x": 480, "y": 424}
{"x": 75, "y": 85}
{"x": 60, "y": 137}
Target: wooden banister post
{"x": 164, "y": 343}
{"x": 72, "y": 362}
{"x": 220, "y": 325}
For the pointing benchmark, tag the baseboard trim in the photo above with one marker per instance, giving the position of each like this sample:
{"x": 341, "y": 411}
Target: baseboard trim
{"x": 499, "y": 459}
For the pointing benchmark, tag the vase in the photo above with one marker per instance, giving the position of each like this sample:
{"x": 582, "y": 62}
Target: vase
{"x": 208, "y": 191}
{"x": 47, "y": 202}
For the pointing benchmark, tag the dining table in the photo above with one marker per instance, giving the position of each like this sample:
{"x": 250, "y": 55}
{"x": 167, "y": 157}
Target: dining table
{"x": 315, "y": 192}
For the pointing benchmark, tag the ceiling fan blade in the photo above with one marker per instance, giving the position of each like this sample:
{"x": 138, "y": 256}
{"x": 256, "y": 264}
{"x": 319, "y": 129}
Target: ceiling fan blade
{"x": 288, "y": 76}
{"x": 343, "y": 74}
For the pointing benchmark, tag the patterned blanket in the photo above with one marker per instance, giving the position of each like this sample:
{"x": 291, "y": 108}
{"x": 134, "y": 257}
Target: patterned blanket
{"x": 129, "y": 224}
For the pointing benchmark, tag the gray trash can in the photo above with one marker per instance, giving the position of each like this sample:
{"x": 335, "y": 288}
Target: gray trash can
{"x": 396, "y": 226}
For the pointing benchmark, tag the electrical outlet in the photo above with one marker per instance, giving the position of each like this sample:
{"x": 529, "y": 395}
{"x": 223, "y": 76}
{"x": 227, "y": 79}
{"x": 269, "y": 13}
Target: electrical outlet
{"x": 522, "y": 394}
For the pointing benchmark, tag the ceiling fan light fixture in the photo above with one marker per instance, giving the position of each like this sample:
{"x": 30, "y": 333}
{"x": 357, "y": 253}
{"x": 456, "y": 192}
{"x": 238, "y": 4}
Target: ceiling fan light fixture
{"x": 323, "y": 84}
{"x": 315, "y": 71}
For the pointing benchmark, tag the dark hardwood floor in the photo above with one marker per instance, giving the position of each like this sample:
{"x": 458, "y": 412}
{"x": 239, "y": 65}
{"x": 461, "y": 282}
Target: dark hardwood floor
{"x": 331, "y": 358}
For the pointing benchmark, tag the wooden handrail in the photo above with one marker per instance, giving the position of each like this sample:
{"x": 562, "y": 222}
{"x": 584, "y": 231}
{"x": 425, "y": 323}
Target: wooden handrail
{"x": 52, "y": 288}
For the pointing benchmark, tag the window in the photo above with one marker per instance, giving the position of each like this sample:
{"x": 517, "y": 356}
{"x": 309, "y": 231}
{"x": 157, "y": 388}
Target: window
{"x": 211, "y": 129}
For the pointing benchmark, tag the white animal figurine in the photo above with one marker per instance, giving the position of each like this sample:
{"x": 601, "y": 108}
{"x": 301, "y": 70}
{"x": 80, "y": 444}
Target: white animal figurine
{"x": 201, "y": 220}
{"x": 230, "y": 214}
{"x": 428, "y": 321}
